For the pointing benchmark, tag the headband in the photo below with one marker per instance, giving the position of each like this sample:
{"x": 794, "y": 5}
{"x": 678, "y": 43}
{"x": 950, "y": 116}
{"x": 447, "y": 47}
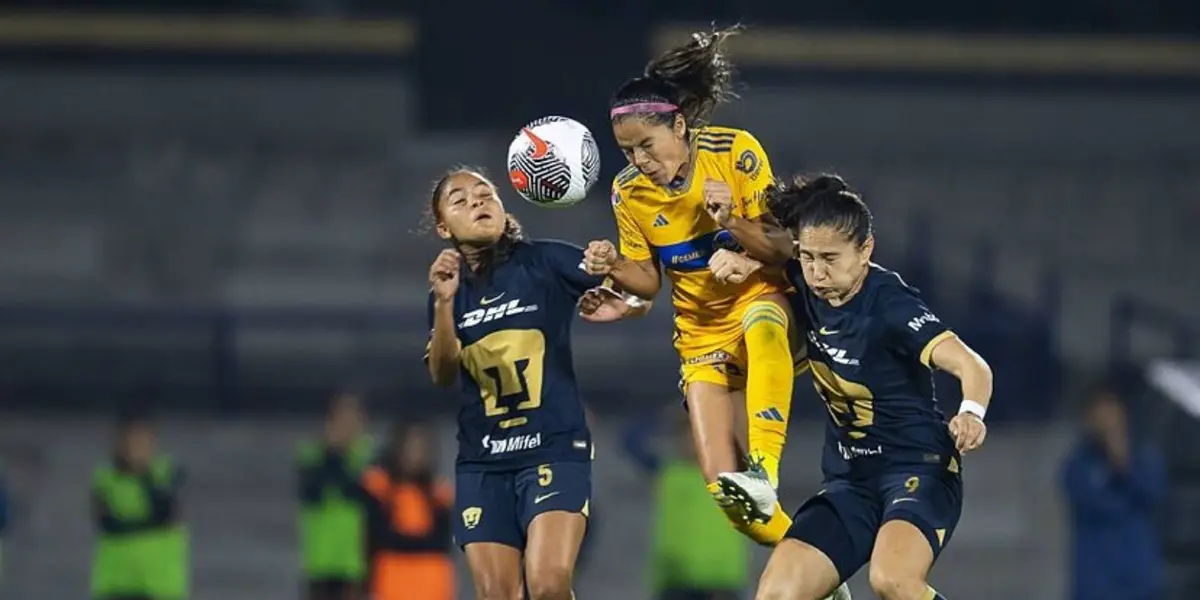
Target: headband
{"x": 643, "y": 107}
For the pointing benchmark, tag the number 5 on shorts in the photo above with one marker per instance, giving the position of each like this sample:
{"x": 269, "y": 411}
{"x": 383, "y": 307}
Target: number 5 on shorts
{"x": 545, "y": 475}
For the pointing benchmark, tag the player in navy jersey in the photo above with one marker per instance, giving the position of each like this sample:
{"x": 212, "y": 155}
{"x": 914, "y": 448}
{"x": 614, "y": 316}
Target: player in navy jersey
{"x": 500, "y": 310}
{"x": 892, "y": 494}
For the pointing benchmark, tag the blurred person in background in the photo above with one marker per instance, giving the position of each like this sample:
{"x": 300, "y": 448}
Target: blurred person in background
{"x": 142, "y": 548}
{"x": 695, "y": 554}
{"x": 409, "y": 515}
{"x": 332, "y": 519}
{"x": 1114, "y": 483}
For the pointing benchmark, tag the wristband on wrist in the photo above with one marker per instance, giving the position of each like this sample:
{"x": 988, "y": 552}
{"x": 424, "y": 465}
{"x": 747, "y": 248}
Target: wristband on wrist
{"x": 972, "y": 407}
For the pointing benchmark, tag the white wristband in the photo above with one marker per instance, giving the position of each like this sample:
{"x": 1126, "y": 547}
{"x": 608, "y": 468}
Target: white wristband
{"x": 973, "y": 407}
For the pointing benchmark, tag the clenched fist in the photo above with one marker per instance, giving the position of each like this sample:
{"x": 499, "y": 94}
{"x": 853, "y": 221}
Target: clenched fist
{"x": 718, "y": 200}
{"x": 602, "y": 305}
{"x": 600, "y": 257}
{"x": 968, "y": 432}
{"x": 443, "y": 274}
{"x": 730, "y": 267}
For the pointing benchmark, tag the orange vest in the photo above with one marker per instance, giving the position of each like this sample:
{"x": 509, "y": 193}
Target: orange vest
{"x": 410, "y": 539}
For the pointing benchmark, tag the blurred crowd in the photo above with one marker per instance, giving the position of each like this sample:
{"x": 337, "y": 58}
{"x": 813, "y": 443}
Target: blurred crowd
{"x": 374, "y": 518}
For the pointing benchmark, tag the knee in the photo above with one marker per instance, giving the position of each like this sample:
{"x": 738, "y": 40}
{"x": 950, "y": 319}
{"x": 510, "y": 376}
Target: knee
{"x": 890, "y": 584}
{"x": 549, "y": 583}
{"x": 769, "y": 590}
{"x": 498, "y": 588}
{"x": 791, "y": 589}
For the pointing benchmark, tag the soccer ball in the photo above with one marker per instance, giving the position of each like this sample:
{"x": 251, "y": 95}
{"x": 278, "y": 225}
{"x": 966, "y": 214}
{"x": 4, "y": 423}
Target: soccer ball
{"x": 553, "y": 162}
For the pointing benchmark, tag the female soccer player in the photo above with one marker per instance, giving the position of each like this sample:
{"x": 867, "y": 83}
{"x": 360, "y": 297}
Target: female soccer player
{"x": 500, "y": 310}
{"x": 892, "y": 493}
{"x": 689, "y": 190}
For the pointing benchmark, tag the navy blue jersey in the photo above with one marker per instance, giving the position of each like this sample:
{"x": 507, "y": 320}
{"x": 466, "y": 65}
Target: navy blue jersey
{"x": 869, "y": 360}
{"x": 520, "y": 400}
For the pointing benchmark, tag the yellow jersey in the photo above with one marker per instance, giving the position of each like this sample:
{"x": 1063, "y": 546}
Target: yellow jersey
{"x": 671, "y": 227}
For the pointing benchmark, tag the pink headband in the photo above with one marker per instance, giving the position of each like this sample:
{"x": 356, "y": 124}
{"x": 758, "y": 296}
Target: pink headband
{"x": 643, "y": 107}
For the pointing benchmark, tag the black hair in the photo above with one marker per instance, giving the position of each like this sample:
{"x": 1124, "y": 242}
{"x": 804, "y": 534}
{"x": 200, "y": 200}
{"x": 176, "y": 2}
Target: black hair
{"x": 821, "y": 201}
{"x": 128, "y": 420}
{"x": 343, "y": 396}
{"x": 498, "y": 252}
{"x": 1099, "y": 391}
{"x": 401, "y": 431}
{"x": 133, "y": 416}
{"x": 695, "y": 77}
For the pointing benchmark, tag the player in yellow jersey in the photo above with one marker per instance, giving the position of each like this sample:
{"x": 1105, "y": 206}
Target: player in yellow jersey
{"x": 690, "y": 190}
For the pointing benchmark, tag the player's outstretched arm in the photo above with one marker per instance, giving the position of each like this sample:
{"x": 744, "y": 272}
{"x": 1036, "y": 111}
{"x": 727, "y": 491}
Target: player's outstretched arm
{"x": 975, "y": 376}
{"x": 444, "y": 347}
{"x": 760, "y": 236}
{"x": 739, "y": 204}
{"x": 604, "y": 304}
{"x": 640, "y": 278}
{"x": 732, "y": 267}
{"x": 762, "y": 239}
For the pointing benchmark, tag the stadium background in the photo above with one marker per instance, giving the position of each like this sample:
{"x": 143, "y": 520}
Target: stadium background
{"x": 214, "y": 207}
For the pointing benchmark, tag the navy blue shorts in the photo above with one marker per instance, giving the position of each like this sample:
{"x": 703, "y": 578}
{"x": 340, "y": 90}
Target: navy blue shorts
{"x": 498, "y": 506}
{"x": 842, "y": 520}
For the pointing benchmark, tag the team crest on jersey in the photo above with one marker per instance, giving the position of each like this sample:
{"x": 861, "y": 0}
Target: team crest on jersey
{"x": 471, "y": 517}
{"x": 492, "y": 313}
{"x": 616, "y": 198}
{"x": 748, "y": 163}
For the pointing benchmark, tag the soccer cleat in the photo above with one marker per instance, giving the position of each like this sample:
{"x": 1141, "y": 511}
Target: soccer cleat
{"x": 752, "y": 491}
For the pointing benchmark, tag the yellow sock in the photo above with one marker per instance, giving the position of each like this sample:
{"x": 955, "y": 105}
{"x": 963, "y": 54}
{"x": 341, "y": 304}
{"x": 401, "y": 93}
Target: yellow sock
{"x": 768, "y": 533}
{"x": 771, "y": 532}
{"x": 768, "y": 383}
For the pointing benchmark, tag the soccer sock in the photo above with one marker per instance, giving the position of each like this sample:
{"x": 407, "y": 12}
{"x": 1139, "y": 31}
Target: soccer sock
{"x": 768, "y": 383}
{"x": 769, "y": 533}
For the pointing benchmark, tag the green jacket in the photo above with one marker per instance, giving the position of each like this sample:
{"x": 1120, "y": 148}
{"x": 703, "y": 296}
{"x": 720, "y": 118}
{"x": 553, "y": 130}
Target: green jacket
{"x": 694, "y": 544}
{"x": 142, "y": 549}
{"x": 333, "y": 540}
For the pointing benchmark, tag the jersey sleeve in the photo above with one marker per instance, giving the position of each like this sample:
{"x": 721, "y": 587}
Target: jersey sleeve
{"x": 912, "y": 324}
{"x": 751, "y": 176}
{"x": 634, "y": 245}
{"x": 566, "y": 262}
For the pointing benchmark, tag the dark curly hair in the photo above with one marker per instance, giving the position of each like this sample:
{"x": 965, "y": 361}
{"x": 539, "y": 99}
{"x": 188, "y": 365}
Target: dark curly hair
{"x": 689, "y": 80}
{"x": 823, "y": 200}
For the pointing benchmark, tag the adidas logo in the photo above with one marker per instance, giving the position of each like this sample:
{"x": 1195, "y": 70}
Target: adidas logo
{"x": 661, "y": 221}
{"x": 771, "y": 414}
